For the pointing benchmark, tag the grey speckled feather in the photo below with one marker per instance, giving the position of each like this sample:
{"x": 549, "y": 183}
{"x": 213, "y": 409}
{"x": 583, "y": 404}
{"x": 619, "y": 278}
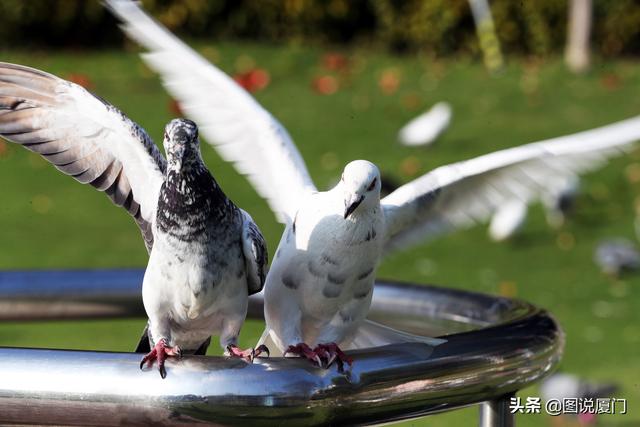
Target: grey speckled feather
{"x": 206, "y": 254}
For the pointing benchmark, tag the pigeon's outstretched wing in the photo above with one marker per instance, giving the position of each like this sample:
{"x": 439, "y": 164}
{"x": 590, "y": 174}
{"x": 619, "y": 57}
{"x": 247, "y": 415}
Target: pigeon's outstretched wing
{"x": 237, "y": 126}
{"x": 461, "y": 194}
{"x": 256, "y": 258}
{"x": 82, "y": 136}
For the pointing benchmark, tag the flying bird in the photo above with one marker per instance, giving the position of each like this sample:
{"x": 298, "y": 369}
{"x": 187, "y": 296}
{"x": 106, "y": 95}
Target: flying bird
{"x": 319, "y": 287}
{"x": 206, "y": 255}
{"x": 427, "y": 127}
{"x": 510, "y": 217}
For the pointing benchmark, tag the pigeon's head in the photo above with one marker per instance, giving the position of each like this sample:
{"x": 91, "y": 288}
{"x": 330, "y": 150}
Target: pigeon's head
{"x": 181, "y": 144}
{"x": 360, "y": 183}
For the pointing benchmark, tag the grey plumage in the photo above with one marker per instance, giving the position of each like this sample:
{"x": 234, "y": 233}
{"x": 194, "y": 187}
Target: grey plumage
{"x": 617, "y": 256}
{"x": 206, "y": 254}
{"x": 562, "y": 386}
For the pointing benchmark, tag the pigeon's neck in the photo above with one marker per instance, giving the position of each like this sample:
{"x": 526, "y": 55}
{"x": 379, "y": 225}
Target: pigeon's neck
{"x": 363, "y": 216}
{"x": 189, "y": 200}
{"x": 191, "y": 162}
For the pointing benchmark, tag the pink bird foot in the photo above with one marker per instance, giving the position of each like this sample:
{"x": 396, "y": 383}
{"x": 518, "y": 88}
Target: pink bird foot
{"x": 303, "y": 350}
{"x": 250, "y": 354}
{"x": 330, "y": 352}
{"x": 160, "y": 352}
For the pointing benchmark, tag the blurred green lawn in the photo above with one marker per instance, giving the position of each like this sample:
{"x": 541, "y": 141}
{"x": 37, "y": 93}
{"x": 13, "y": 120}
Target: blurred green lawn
{"x": 49, "y": 221}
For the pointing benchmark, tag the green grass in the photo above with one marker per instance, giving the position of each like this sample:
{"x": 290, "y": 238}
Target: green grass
{"x": 48, "y": 221}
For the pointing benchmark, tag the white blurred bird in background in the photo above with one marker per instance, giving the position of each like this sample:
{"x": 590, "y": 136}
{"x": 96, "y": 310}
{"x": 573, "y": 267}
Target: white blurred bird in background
{"x": 427, "y": 127}
{"x": 510, "y": 217}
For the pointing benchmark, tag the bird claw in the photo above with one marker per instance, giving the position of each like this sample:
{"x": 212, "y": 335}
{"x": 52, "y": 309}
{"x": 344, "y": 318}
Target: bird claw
{"x": 248, "y": 355}
{"x": 332, "y": 353}
{"x": 323, "y": 356}
{"x": 303, "y": 350}
{"x": 262, "y": 349}
{"x": 160, "y": 352}
{"x": 163, "y": 372}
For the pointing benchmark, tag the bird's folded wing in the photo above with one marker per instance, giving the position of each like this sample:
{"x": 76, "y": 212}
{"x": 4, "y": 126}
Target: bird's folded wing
{"x": 256, "y": 258}
{"x": 461, "y": 194}
{"x": 235, "y": 124}
{"x": 82, "y": 136}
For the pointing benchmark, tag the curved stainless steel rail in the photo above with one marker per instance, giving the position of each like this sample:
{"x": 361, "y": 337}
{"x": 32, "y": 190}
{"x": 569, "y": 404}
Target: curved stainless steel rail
{"x": 495, "y": 346}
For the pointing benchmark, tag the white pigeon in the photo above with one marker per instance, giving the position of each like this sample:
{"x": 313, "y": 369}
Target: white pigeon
{"x": 510, "y": 217}
{"x": 206, "y": 254}
{"x": 320, "y": 244}
{"x": 320, "y": 285}
{"x": 427, "y": 127}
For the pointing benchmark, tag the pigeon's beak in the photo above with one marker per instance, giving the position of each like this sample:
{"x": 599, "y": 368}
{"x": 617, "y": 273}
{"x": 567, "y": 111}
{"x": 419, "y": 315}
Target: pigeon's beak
{"x": 351, "y": 204}
{"x": 179, "y": 155}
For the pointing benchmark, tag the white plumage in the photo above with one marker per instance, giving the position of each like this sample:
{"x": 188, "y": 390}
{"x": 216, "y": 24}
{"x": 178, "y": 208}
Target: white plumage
{"x": 225, "y": 112}
{"x": 470, "y": 191}
{"x": 507, "y": 220}
{"x": 427, "y": 127}
{"x": 559, "y": 198}
{"x": 320, "y": 283}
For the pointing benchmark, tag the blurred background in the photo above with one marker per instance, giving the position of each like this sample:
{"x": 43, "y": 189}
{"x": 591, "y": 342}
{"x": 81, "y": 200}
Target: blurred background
{"x": 343, "y": 77}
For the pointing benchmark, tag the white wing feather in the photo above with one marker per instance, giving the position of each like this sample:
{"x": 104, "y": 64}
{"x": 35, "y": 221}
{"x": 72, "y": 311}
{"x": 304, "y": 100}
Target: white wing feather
{"x": 235, "y": 125}
{"x": 507, "y": 220}
{"x": 461, "y": 194}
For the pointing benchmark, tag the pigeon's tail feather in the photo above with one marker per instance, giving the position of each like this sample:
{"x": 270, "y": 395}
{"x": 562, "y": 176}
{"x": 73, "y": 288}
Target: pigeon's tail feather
{"x": 268, "y": 341}
{"x": 369, "y": 334}
{"x": 372, "y": 334}
{"x": 144, "y": 346}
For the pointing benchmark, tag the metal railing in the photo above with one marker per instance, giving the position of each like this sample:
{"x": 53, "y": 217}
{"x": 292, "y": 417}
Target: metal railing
{"x": 495, "y": 346}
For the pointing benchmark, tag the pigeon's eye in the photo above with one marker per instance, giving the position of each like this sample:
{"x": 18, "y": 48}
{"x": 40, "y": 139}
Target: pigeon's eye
{"x": 373, "y": 184}
{"x": 166, "y": 135}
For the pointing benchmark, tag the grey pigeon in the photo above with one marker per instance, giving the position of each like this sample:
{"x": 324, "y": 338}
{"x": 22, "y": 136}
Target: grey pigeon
{"x": 562, "y": 386}
{"x": 617, "y": 256}
{"x": 206, "y": 255}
